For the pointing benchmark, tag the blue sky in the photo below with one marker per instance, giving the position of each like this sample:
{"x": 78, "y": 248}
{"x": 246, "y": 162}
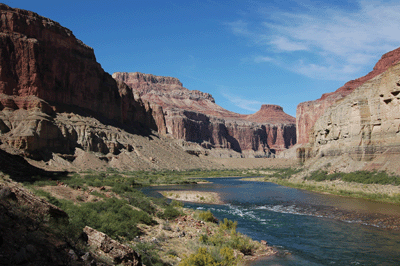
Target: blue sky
{"x": 245, "y": 53}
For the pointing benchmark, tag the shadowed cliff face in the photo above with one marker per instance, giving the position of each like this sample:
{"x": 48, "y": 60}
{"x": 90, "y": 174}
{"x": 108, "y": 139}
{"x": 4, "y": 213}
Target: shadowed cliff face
{"x": 195, "y": 117}
{"x": 308, "y": 112}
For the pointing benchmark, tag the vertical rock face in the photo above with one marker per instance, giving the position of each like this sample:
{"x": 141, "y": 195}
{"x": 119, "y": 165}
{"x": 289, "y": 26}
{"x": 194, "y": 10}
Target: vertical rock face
{"x": 308, "y": 112}
{"x": 45, "y": 70}
{"x": 364, "y": 124}
{"x": 195, "y": 117}
{"x": 39, "y": 57}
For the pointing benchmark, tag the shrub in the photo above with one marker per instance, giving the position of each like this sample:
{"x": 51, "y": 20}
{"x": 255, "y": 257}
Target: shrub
{"x": 223, "y": 257}
{"x": 139, "y": 200}
{"x": 148, "y": 253}
{"x": 201, "y": 258}
{"x": 228, "y": 225}
{"x": 242, "y": 243}
{"x": 207, "y": 216}
{"x": 111, "y": 216}
{"x": 170, "y": 213}
{"x": 176, "y": 203}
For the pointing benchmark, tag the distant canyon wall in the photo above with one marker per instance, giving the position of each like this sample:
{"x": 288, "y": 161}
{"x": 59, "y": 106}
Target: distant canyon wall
{"x": 195, "y": 117}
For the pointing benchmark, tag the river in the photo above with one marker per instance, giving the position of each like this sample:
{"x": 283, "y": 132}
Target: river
{"x": 307, "y": 228}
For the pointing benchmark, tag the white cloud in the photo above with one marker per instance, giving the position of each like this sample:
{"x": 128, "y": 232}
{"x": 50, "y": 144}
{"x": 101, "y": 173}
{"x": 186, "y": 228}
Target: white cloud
{"x": 249, "y": 105}
{"x": 262, "y": 59}
{"x": 323, "y": 40}
{"x": 284, "y": 44}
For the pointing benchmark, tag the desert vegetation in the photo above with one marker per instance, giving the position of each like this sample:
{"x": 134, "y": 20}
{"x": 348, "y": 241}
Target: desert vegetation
{"x": 376, "y": 186}
{"x": 111, "y": 202}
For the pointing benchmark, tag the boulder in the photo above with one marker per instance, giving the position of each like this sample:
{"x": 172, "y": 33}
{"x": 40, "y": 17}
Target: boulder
{"x": 119, "y": 253}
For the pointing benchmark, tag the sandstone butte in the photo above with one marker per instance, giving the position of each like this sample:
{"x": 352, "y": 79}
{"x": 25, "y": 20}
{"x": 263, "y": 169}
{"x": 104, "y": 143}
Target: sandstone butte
{"x": 193, "y": 116}
{"x": 307, "y": 113}
{"x": 55, "y": 98}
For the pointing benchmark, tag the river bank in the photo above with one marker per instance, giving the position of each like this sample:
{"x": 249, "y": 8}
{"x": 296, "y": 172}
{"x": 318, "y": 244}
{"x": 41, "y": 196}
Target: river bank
{"x": 375, "y": 192}
{"x": 306, "y": 228}
{"x": 387, "y": 194}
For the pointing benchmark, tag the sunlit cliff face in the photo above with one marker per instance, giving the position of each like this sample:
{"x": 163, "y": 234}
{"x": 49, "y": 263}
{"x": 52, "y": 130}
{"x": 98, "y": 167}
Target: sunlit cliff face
{"x": 389, "y": 94}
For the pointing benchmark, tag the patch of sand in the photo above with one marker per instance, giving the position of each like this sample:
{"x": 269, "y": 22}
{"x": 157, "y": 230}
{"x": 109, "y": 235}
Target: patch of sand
{"x": 193, "y": 196}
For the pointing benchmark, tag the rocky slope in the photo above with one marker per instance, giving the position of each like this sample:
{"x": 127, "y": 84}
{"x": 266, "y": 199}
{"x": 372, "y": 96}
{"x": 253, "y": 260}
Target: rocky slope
{"x": 193, "y": 116}
{"x": 364, "y": 125}
{"x": 307, "y": 113}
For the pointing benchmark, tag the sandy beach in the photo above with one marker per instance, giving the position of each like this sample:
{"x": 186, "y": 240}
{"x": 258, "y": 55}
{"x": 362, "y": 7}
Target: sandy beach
{"x": 193, "y": 196}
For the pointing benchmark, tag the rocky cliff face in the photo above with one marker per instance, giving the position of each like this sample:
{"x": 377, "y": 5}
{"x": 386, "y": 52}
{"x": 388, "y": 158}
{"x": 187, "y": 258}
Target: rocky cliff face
{"x": 39, "y": 57}
{"x": 57, "y": 104}
{"x": 363, "y": 125}
{"x": 195, "y": 117}
{"x": 308, "y": 112}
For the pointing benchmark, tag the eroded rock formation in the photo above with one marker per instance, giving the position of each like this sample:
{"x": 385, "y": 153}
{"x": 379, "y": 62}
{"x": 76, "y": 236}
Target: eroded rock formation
{"x": 39, "y": 57}
{"x": 307, "y": 113}
{"x": 195, "y": 117}
{"x": 55, "y": 97}
{"x": 364, "y": 124}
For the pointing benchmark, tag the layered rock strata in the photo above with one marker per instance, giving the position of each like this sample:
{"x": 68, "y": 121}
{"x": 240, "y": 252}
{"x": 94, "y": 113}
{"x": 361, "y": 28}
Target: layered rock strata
{"x": 195, "y": 117}
{"x": 364, "y": 124}
{"x": 307, "y": 113}
{"x": 55, "y": 97}
{"x": 39, "y": 57}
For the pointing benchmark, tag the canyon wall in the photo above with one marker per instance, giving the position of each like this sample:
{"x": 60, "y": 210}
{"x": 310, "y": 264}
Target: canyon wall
{"x": 39, "y": 57}
{"x": 307, "y": 113}
{"x": 194, "y": 116}
{"x": 363, "y": 125}
{"x": 55, "y": 97}
{"x": 58, "y": 105}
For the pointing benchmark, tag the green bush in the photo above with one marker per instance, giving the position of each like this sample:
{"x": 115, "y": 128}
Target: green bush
{"x": 111, "y": 216}
{"x": 203, "y": 257}
{"x": 138, "y": 199}
{"x": 48, "y": 196}
{"x": 207, "y": 216}
{"x": 284, "y": 173}
{"x": 176, "y": 203}
{"x": 363, "y": 177}
{"x": 170, "y": 213}
{"x": 241, "y": 243}
{"x": 149, "y": 253}
{"x": 228, "y": 225}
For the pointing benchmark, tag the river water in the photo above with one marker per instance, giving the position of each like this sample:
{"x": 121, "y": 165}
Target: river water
{"x": 306, "y": 228}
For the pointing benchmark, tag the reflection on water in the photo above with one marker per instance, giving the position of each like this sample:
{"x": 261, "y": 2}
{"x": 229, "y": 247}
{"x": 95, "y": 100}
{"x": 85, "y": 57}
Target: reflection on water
{"x": 303, "y": 225}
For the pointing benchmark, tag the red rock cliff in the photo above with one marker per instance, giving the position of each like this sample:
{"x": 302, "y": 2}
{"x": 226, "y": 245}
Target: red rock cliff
{"x": 307, "y": 113}
{"x": 39, "y": 57}
{"x": 53, "y": 93}
{"x": 194, "y": 116}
